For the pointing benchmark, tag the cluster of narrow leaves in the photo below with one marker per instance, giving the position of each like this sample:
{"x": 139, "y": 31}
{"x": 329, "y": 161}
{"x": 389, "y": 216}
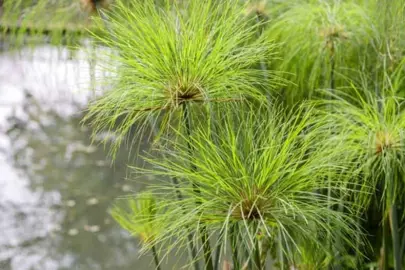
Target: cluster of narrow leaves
{"x": 261, "y": 172}
{"x": 372, "y": 128}
{"x": 322, "y": 42}
{"x": 164, "y": 57}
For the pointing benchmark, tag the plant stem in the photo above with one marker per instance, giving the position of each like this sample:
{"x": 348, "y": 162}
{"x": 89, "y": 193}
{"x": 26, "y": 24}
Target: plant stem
{"x": 263, "y": 66}
{"x": 203, "y": 228}
{"x": 332, "y": 87}
{"x": 257, "y": 259}
{"x": 332, "y": 72}
{"x": 403, "y": 244}
{"x": 234, "y": 237}
{"x": 393, "y": 220}
{"x": 156, "y": 258}
{"x": 395, "y": 236}
{"x": 384, "y": 258}
{"x": 190, "y": 246}
{"x": 217, "y": 256}
{"x": 280, "y": 251}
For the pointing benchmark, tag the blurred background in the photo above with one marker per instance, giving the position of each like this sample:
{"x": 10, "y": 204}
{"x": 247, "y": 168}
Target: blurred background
{"x": 56, "y": 186}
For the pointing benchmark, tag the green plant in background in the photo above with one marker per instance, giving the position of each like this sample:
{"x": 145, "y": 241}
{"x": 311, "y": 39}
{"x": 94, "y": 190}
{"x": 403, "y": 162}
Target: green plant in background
{"x": 60, "y": 22}
{"x": 322, "y": 41}
{"x": 372, "y": 129}
{"x": 139, "y": 218}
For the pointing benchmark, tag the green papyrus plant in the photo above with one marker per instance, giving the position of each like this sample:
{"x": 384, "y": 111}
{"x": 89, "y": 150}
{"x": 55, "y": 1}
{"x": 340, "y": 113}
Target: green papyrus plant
{"x": 257, "y": 173}
{"x": 139, "y": 217}
{"x": 372, "y": 129}
{"x": 165, "y": 57}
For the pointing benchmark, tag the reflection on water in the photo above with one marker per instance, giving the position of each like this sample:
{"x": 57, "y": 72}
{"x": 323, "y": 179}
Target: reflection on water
{"x": 55, "y": 187}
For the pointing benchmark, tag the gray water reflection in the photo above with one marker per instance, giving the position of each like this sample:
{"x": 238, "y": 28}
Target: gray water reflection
{"x": 55, "y": 187}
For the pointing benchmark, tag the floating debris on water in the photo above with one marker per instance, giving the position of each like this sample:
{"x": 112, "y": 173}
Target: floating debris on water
{"x": 102, "y": 163}
{"x": 57, "y": 228}
{"x": 78, "y": 147}
{"x": 91, "y": 228}
{"x": 92, "y": 201}
{"x": 126, "y": 188}
{"x": 73, "y": 232}
{"x": 71, "y": 203}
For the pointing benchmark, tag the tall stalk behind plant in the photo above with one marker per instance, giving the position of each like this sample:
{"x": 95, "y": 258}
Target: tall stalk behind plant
{"x": 60, "y": 22}
{"x": 372, "y": 129}
{"x": 257, "y": 181}
{"x": 322, "y": 42}
{"x": 390, "y": 44}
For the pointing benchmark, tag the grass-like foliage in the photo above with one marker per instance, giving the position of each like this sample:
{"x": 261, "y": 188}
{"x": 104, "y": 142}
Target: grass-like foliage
{"x": 62, "y": 22}
{"x": 163, "y": 57}
{"x": 259, "y": 172}
{"x": 322, "y": 41}
{"x": 138, "y": 216}
{"x": 372, "y": 128}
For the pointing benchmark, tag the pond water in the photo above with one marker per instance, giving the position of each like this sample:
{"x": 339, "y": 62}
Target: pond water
{"x": 56, "y": 188}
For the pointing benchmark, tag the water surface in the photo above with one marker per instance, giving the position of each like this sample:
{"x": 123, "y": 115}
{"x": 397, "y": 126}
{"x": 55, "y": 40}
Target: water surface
{"x": 56, "y": 188}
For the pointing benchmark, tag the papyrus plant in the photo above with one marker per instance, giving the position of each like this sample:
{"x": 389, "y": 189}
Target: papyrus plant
{"x": 138, "y": 216}
{"x": 372, "y": 128}
{"x": 259, "y": 173}
{"x": 165, "y": 57}
{"x": 321, "y": 43}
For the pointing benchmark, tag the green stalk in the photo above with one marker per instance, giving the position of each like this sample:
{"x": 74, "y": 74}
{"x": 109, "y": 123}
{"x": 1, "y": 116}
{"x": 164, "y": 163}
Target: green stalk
{"x": 256, "y": 255}
{"x": 217, "y": 256}
{"x": 190, "y": 246}
{"x": 393, "y": 219}
{"x": 332, "y": 72}
{"x": 156, "y": 258}
{"x": 264, "y": 250}
{"x": 257, "y": 252}
{"x": 203, "y": 228}
{"x": 218, "y": 251}
{"x": 234, "y": 248}
{"x": 403, "y": 244}
{"x": 332, "y": 87}
{"x": 384, "y": 258}
{"x": 263, "y": 66}
{"x": 395, "y": 237}
{"x": 280, "y": 251}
